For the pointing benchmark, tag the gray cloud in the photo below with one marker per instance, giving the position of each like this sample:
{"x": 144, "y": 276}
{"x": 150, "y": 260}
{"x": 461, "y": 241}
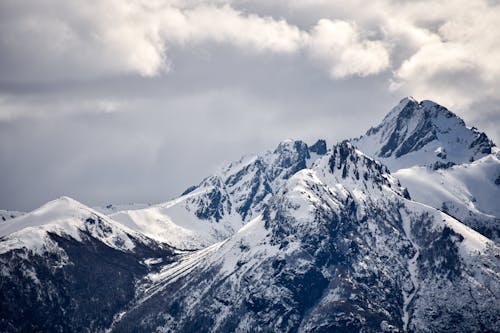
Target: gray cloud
{"x": 131, "y": 109}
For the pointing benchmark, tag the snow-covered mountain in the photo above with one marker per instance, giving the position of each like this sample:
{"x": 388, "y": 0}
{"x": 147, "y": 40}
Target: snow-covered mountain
{"x": 67, "y": 218}
{"x": 66, "y": 267}
{"x": 441, "y": 161}
{"x": 222, "y": 203}
{"x": 338, "y": 248}
{"x": 298, "y": 239}
{"x": 424, "y": 134}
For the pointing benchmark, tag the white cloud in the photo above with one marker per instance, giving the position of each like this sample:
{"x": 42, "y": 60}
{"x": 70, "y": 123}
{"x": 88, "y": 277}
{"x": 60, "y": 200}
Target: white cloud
{"x": 439, "y": 71}
{"x": 93, "y": 38}
{"x": 459, "y": 65}
{"x": 340, "y": 45}
{"x": 445, "y": 50}
{"x": 226, "y": 25}
{"x": 58, "y": 39}
{"x": 54, "y": 39}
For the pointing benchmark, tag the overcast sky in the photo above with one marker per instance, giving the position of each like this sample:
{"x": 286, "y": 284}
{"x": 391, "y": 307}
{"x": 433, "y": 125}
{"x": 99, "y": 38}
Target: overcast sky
{"x": 115, "y": 101}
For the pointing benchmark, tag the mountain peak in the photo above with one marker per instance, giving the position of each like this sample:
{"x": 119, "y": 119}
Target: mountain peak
{"x": 64, "y": 201}
{"x": 423, "y": 133}
{"x": 407, "y": 100}
{"x": 245, "y": 185}
{"x": 66, "y": 218}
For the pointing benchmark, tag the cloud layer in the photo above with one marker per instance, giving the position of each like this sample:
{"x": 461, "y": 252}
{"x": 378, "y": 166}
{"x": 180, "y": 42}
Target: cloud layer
{"x": 98, "y": 38}
{"x": 133, "y": 100}
{"x": 424, "y": 43}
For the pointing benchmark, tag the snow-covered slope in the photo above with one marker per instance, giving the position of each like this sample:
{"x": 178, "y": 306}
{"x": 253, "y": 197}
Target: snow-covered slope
{"x": 469, "y": 192}
{"x": 177, "y": 224}
{"x": 6, "y": 215}
{"x": 338, "y": 248}
{"x": 224, "y": 202}
{"x": 423, "y": 134}
{"x": 66, "y": 218}
{"x": 67, "y": 268}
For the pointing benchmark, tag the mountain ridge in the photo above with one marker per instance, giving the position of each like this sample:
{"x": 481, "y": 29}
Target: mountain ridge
{"x": 318, "y": 244}
{"x": 298, "y": 239}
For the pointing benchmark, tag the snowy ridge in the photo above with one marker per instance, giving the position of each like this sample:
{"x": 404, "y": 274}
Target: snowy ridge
{"x": 473, "y": 185}
{"x": 64, "y": 217}
{"x": 176, "y": 224}
{"x": 66, "y": 267}
{"x": 315, "y": 248}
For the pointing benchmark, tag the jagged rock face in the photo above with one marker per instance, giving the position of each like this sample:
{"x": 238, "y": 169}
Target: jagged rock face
{"x": 423, "y": 133}
{"x": 246, "y": 185}
{"x": 442, "y": 162}
{"x": 350, "y": 166}
{"x": 70, "y": 269}
{"x": 326, "y": 257}
{"x": 319, "y": 147}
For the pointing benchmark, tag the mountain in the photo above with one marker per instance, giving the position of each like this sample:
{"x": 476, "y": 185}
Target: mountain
{"x": 374, "y": 234}
{"x": 66, "y": 267}
{"x": 424, "y": 134}
{"x": 222, "y": 203}
{"x": 441, "y": 161}
{"x": 339, "y": 248}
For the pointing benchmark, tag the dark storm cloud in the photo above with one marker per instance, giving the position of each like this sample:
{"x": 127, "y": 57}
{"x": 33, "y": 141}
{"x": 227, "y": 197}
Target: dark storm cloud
{"x": 114, "y": 129}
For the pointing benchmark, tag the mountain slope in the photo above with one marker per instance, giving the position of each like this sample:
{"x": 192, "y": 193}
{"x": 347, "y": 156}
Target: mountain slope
{"x": 339, "y": 248}
{"x": 222, "y": 203}
{"x": 469, "y": 192}
{"x": 65, "y": 267}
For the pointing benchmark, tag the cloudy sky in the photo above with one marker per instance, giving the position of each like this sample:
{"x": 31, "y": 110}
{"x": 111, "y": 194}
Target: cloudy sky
{"x": 134, "y": 100}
